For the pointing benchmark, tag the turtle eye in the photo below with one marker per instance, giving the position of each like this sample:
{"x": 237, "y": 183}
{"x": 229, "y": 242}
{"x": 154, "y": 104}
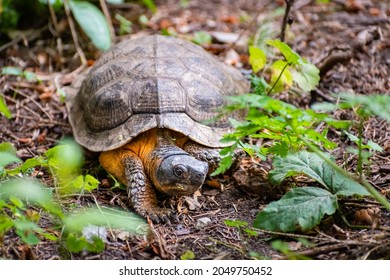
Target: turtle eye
{"x": 180, "y": 171}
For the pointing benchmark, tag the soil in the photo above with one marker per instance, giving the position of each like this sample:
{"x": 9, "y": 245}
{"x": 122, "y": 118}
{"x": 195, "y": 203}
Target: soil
{"x": 348, "y": 40}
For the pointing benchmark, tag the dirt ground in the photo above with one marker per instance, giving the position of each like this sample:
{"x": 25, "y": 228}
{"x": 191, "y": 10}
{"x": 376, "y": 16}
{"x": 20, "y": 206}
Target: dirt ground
{"x": 358, "y": 30}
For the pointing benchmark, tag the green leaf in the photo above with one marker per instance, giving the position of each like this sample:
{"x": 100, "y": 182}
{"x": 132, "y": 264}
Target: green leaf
{"x": 257, "y": 59}
{"x": 7, "y": 147}
{"x": 351, "y": 137}
{"x": 102, "y": 216}
{"x": 31, "y": 191}
{"x": 225, "y": 163}
{"x": 281, "y": 75}
{"x": 4, "y": 109}
{"x": 96, "y": 245}
{"x": 75, "y": 244}
{"x": 25, "y": 230}
{"x": 83, "y": 183}
{"x": 314, "y": 166}
{"x": 6, "y": 224}
{"x": 10, "y": 70}
{"x": 259, "y": 85}
{"x": 306, "y": 75}
{"x": 93, "y": 22}
{"x": 235, "y": 223}
{"x": 374, "y": 146}
{"x": 376, "y": 104}
{"x": 299, "y": 209}
{"x": 291, "y": 56}
{"x": 7, "y": 158}
{"x": 150, "y": 5}
{"x": 17, "y": 202}
{"x": 202, "y": 38}
{"x": 188, "y": 255}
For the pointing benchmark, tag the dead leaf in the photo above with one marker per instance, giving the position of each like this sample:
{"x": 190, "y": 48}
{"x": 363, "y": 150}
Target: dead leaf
{"x": 368, "y": 216}
{"x": 215, "y": 184}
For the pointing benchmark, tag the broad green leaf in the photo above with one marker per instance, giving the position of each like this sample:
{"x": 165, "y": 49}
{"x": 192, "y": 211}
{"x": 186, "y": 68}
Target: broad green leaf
{"x": 102, "y": 216}
{"x": 67, "y": 156}
{"x": 257, "y": 58}
{"x": 93, "y": 22}
{"x": 281, "y": 75}
{"x": 7, "y": 147}
{"x": 291, "y": 56}
{"x": 377, "y": 104}
{"x": 4, "y": 109}
{"x": 314, "y": 166}
{"x": 31, "y": 191}
{"x": 7, "y": 158}
{"x": 11, "y": 70}
{"x": 306, "y": 75}
{"x": 299, "y": 209}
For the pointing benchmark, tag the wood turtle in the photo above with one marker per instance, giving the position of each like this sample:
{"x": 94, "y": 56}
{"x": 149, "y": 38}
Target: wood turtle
{"x": 146, "y": 105}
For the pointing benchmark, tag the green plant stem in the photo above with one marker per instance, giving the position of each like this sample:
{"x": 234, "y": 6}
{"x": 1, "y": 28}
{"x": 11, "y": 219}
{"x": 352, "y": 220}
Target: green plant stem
{"x": 380, "y": 198}
{"x": 360, "y": 149}
{"x": 277, "y": 80}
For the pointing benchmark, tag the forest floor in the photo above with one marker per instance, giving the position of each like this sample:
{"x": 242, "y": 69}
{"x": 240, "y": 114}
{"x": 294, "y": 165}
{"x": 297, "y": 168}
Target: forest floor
{"x": 359, "y": 30}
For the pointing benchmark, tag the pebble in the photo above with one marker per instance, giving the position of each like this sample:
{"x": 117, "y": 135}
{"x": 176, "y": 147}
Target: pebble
{"x": 203, "y": 222}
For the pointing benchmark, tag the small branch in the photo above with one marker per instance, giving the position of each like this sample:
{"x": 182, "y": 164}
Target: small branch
{"x": 108, "y": 18}
{"x": 289, "y": 4}
{"x": 74, "y": 34}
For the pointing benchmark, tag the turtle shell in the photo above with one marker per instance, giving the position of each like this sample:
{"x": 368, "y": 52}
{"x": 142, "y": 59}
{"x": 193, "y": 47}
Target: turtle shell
{"x": 153, "y": 82}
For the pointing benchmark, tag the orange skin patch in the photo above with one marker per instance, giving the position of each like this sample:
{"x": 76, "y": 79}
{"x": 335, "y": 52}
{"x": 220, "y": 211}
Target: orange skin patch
{"x": 142, "y": 146}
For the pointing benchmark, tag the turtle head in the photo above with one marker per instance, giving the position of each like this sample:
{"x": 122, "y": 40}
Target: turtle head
{"x": 179, "y": 174}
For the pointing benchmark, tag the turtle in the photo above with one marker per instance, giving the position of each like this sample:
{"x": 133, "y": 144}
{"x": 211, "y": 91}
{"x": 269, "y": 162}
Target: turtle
{"x": 145, "y": 106}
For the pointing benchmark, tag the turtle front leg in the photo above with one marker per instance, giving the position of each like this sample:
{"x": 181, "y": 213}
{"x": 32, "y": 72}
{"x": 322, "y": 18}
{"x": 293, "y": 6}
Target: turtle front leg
{"x": 141, "y": 193}
{"x": 202, "y": 153}
{"x": 210, "y": 155}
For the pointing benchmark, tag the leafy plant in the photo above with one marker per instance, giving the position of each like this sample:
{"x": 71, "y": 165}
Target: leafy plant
{"x": 290, "y": 131}
{"x": 304, "y": 207}
{"x": 19, "y": 194}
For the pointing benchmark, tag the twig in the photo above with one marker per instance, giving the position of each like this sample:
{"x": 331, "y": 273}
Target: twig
{"x": 29, "y": 98}
{"x": 289, "y": 4}
{"x": 108, "y": 18}
{"x": 74, "y": 34}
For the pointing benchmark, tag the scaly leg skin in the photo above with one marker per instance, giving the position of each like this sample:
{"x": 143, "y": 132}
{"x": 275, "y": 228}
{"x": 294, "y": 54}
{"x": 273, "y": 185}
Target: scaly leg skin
{"x": 141, "y": 193}
{"x": 209, "y": 155}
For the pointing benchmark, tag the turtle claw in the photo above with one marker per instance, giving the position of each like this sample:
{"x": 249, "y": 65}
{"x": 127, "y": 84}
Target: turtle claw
{"x": 160, "y": 215}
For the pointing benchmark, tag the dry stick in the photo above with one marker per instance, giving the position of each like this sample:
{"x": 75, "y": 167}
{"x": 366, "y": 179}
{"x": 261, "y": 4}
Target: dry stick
{"x": 108, "y": 18}
{"x": 57, "y": 29}
{"x": 74, "y": 34}
{"x": 289, "y": 4}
